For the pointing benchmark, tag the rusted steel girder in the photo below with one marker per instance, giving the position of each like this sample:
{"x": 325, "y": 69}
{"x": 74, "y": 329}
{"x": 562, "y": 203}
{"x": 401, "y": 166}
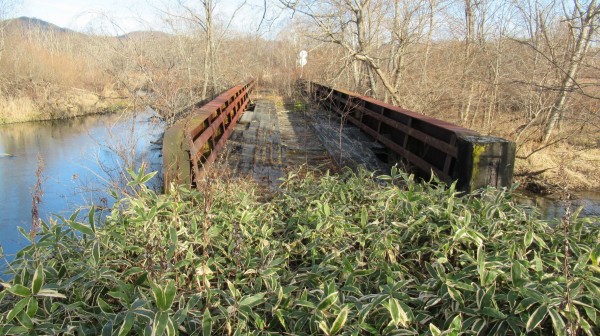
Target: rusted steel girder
{"x": 433, "y": 146}
{"x": 196, "y": 141}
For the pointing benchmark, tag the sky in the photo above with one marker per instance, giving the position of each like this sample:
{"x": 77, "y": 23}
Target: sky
{"x": 122, "y": 16}
{"x": 82, "y": 15}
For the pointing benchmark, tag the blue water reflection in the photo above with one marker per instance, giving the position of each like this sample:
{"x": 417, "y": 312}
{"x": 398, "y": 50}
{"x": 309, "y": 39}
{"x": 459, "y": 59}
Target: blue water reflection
{"x": 82, "y": 157}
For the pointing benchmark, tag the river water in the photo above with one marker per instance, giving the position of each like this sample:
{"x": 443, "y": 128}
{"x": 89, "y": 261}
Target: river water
{"x": 552, "y": 207}
{"x": 80, "y": 157}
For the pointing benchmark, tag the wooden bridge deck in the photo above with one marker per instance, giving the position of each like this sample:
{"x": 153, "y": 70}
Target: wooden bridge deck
{"x": 271, "y": 139}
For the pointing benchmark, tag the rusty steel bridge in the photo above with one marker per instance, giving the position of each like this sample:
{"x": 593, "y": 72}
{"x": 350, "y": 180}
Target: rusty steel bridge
{"x": 328, "y": 128}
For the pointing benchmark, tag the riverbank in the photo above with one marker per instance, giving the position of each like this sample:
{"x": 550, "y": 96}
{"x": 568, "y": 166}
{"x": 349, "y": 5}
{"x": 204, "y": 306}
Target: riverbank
{"x": 68, "y": 104}
{"x": 562, "y": 167}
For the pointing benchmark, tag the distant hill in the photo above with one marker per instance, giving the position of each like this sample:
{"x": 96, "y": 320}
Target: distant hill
{"x": 27, "y": 23}
{"x": 24, "y": 24}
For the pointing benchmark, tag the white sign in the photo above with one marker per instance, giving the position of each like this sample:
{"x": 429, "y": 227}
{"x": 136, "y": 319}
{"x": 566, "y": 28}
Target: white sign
{"x": 302, "y": 58}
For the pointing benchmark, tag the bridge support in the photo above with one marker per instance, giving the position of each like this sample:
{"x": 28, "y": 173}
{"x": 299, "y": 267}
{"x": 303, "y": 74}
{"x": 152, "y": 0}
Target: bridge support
{"x": 484, "y": 161}
{"x": 430, "y": 145}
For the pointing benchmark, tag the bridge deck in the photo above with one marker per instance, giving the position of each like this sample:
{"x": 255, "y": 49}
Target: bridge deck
{"x": 272, "y": 139}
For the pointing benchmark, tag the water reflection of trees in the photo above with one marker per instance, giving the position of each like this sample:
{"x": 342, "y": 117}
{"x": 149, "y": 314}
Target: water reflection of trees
{"x": 83, "y": 156}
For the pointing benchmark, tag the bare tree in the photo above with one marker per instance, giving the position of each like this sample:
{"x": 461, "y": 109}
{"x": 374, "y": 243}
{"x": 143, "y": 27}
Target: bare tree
{"x": 431, "y": 12}
{"x": 205, "y": 20}
{"x": 582, "y": 25}
{"x": 477, "y": 19}
{"x": 6, "y": 7}
{"x": 374, "y": 34}
{"x": 559, "y": 42}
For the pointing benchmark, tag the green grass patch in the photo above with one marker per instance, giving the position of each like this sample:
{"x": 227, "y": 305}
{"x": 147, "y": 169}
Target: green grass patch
{"x": 346, "y": 254}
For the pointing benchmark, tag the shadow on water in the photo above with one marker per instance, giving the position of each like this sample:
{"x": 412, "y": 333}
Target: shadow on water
{"x": 82, "y": 158}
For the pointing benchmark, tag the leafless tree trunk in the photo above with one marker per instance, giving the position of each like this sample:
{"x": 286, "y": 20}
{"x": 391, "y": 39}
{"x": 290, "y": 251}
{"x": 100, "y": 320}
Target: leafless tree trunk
{"x": 582, "y": 25}
{"x": 209, "y": 53}
{"x": 468, "y": 83}
{"x": 535, "y": 17}
{"x": 206, "y": 23}
{"x": 432, "y": 4}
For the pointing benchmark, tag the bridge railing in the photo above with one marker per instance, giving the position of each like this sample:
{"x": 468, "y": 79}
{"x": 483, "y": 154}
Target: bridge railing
{"x": 193, "y": 143}
{"x": 434, "y": 146}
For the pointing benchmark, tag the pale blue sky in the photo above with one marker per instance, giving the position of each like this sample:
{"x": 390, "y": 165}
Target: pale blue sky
{"x": 119, "y": 16}
{"x": 84, "y": 14}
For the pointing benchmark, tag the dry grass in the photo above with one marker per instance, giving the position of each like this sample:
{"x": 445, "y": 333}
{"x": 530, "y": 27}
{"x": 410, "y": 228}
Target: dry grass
{"x": 563, "y": 166}
{"x": 71, "y": 103}
{"x": 18, "y": 109}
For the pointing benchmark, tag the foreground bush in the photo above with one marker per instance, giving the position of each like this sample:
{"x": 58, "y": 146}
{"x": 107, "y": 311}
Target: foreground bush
{"x": 330, "y": 255}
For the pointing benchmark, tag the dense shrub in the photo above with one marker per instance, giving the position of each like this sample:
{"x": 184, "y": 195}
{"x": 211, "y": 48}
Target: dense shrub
{"x": 344, "y": 254}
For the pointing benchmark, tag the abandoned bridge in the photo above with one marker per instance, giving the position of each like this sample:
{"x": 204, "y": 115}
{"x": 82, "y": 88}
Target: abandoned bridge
{"x": 248, "y": 132}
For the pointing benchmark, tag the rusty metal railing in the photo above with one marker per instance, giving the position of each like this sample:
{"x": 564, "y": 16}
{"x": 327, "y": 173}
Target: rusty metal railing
{"x": 196, "y": 141}
{"x": 431, "y": 145}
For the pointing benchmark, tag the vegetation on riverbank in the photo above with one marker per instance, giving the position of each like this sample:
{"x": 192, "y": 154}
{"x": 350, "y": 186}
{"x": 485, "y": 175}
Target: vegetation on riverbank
{"x": 564, "y": 167}
{"x": 68, "y": 104}
{"x": 48, "y": 72}
{"x": 343, "y": 254}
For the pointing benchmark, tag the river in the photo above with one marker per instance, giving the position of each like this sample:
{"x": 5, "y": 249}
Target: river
{"x": 552, "y": 206}
{"x": 80, "y": 158}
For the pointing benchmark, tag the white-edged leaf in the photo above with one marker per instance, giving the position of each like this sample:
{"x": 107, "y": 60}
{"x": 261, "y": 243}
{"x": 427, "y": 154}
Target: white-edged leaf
{"x": 17, "y": 308}
{"x": 363, "y": 217}
{"x": 170, "y": 291}
{"x": 435, "y": 331}
{"x": 557, "y": 323}
{"x": 528, "y": 238}
{"x": 127, "y": 324}
{"x": 38, "y": 279}
{"x": 51, "y": 293}
{"x": 340, "y": 321}
{"x": 327, "y": 301}
{"x": 96, "y": 253}
{"x": 19, "y": 290}
{"x": 91, "y": 218}
{"x": 147, "y": 177}
{"x": 537, "y": 317}
{"x": 398, "y": 312}
{"x": 160, "y": 323}
{"x": 81, "y": 228}
{"x": 206, "y": 323}
{"x": 516, "y": 273}
{"x": 253, "y": 300}
{"x": 480, "y": 259}
{"x": 323, "y": 326}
